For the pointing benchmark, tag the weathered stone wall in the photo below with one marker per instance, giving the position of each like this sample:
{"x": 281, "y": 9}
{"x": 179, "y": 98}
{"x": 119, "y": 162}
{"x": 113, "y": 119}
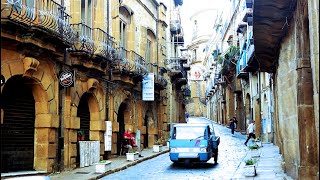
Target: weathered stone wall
{"x": 286, "y": 93}
{"x": 313, "y": 6}
{"x": 295, "y": 119}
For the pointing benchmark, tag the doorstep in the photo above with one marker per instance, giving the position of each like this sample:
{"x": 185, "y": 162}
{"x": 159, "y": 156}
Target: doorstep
{"x": 22, "y": 173}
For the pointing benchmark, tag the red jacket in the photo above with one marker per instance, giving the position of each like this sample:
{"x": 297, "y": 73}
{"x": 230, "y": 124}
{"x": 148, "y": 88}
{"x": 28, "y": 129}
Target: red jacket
{"x": 129, "y": 138}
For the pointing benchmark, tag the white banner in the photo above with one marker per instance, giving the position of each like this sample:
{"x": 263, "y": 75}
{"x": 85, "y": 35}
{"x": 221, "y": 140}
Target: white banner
{"x": 148, "y": 87}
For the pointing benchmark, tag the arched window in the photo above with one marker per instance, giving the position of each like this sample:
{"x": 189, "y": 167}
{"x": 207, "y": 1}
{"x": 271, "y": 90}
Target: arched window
{"x": 150, "y": 46}
{"x": 125, "y": 20}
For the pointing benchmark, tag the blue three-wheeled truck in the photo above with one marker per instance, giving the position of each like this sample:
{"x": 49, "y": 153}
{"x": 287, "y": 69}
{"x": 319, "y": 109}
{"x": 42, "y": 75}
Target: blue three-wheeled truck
{"x": 193, "y": 143}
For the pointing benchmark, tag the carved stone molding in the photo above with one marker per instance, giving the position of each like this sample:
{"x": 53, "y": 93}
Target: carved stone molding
{"x": 30, "y": 65}
{"x": 92, "y": 84}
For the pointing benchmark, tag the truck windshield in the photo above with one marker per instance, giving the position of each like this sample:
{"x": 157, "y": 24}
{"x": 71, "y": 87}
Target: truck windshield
{"x": 188, "y": 132}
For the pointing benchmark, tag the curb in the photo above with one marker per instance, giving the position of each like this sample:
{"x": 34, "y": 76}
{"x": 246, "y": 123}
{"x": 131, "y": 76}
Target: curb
{"x": 127, "y": 166}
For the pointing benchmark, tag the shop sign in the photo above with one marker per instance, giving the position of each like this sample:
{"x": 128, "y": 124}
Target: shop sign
{"x": 67, "y": 78}
{"x": 148, "y": 87}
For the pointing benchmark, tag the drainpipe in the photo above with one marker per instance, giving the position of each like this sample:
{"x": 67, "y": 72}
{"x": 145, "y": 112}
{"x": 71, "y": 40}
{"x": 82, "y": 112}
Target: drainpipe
{"x": 62, "y": 92}
{"x": 106, "y": 155}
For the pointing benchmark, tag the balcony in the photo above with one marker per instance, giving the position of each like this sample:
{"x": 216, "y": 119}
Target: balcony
{"x": 46, "y": 17}
{"x": 173, "y": 66}
{"x": 210, "y": 89}
{"x": 178, "y": 39}
{"x": 186, "y": 67}
{"x": 181, "y": 80}
{"x": 160, "y": 82}
{"x": 240, "y": 73}
{"x": 175, "y": 26}
{"x": 141, "y": 67}
{"x": 248, "y": 14}
{"x": 130, "y": 63}
{"x": 249, "y": 3}
{"x": 241, "y": 26}
{"x": 84, "y": 42}
{"x": 248, "y": 61}
{"x": 269, "y": 28}
{"x": 104, "y": 43}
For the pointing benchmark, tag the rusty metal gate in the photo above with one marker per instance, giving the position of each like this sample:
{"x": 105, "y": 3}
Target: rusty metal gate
{"x": 17, "y": 130}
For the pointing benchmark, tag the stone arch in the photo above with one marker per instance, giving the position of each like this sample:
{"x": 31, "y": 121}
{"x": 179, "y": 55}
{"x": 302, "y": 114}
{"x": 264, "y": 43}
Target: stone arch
{"x": 40, "y": 76}
{"x": 95, "y": 98}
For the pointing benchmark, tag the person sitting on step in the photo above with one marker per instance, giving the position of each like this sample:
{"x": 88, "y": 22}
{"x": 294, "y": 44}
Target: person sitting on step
{"x": 130, "y": 143}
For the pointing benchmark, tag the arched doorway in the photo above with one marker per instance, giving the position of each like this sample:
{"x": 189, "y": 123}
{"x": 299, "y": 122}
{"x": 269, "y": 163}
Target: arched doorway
{"x": 145, "y": 138}
{"x": 120, "y": 119}
{"x": 83, "y": 113}
{"x": 17, "y": 129}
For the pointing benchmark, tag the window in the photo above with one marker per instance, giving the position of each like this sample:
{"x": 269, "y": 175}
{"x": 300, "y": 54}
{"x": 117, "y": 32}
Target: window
{"x": 123, "y": 34}
{"x": 86, "y": 12}
{"x": 149, "y": 46}
{"x": 124, "y": 25}
{"x": 148, "y": 51}
{"x": 194, "y": 55}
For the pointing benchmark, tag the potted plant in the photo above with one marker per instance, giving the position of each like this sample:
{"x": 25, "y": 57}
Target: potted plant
{"x": 132, "y": 155}
{"x": 254, "y": 150}
{"x": 167, "y": 138}
{"x": 102, "y": 166}
{"x": 80, "y": 135}
{"x": 157, "y": 147}
{"x": 250, "y": 168}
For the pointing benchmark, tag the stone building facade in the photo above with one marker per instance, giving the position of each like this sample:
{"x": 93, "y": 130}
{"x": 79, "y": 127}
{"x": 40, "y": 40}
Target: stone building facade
{"x": 278, "y": 82}
{"x": 69, "y": 67}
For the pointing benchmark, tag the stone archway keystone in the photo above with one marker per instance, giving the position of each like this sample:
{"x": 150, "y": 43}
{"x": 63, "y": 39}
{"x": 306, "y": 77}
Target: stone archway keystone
{"x": 30, "y": 65}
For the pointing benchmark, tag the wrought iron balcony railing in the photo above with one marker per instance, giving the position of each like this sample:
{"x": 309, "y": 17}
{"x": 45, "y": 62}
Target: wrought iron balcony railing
{"x": 175, "y": 26}
{"x": 104, "y": 43}
{"x": 141, "y": 67}
{"x": 122, "y": 60}
{"x": 84, "y": 42}
{"x": 161, "y": 81}
{"x": 46, "y": 15}
{"x": 174, "y": 64}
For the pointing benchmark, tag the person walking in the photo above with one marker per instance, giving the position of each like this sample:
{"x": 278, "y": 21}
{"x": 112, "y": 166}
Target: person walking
{"x": 232, "y": 126}
{"x": 187, "y": 116}
{"x": 235, "y": 122}
{"x": 251, "y": 132}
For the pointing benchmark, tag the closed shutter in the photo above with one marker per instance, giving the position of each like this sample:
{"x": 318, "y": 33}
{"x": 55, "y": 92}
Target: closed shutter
{"x": 143, "y": 41}
{"x": 17, "y": 130}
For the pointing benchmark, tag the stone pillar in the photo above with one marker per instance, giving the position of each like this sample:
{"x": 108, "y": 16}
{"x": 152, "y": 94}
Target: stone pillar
{"x": 313, "y": 12}
{"x": 45, "y": 141}
{"x": 308, "y": 165}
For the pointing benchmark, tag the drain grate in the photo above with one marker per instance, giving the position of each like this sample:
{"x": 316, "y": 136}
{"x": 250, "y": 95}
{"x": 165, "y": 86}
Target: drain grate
{"x": 82, "y": 172}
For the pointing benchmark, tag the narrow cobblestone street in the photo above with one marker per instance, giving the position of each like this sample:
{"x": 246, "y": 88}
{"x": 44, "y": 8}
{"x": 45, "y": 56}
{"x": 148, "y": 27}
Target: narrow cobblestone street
{"x": 231, "y": 154}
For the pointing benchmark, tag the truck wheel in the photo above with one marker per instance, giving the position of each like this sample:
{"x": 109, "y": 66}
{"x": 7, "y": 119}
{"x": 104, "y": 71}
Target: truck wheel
{"x": 187, "y": 163}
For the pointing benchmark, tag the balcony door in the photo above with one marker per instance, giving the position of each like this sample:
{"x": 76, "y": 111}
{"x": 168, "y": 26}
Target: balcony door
{"x": 86, "y": 16}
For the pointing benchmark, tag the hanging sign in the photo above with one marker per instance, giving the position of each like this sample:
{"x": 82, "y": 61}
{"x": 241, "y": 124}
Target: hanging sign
{"x": 148, "y": 87}
{"x": 67, "y": 78}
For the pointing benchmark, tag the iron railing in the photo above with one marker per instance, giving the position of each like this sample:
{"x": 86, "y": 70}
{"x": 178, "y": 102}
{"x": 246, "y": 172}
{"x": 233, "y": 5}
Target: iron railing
{"x": 43, "y": 14}
{"x": 141, "y": 66}
{"x": 84, "y": 41}
{"x": 173, "y": 64}
{"x": 104, "y": 43}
